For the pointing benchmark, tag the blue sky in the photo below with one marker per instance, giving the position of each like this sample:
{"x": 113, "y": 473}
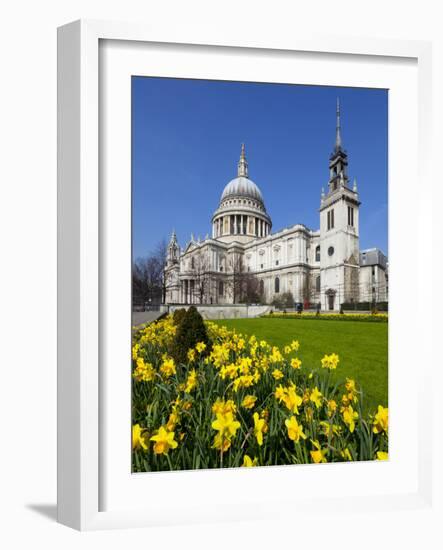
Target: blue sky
{"x": 186, "y": 137}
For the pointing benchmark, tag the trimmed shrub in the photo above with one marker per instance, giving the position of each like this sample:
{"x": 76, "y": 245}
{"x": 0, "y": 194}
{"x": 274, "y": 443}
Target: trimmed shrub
{"x": 178, "y": 316}
{"x": 190, "y": 332}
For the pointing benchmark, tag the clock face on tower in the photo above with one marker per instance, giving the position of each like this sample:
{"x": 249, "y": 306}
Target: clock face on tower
{"x": 330, "y": 250}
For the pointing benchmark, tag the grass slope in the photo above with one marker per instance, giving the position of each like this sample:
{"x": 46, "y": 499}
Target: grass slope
{"x": 362, "y": 348}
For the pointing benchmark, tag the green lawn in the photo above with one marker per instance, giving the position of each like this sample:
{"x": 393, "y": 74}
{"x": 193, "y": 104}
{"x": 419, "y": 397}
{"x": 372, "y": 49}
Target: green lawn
{"x": 361, "y": 346}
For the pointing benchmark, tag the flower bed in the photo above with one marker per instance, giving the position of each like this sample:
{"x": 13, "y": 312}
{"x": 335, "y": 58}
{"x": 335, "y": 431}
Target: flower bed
{"x": 366, "y": 317}
{"x": 242, "y": 402}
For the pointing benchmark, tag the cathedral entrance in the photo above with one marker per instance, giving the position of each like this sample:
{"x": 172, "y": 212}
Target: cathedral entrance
{"x": 330, "y": 296}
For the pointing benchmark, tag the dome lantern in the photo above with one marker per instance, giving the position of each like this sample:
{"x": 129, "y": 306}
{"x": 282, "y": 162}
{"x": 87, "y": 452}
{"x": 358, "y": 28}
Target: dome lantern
{"x": 242, "y": 170}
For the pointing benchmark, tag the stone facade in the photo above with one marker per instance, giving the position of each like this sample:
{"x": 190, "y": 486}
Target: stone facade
{"x": 321, "y": 266}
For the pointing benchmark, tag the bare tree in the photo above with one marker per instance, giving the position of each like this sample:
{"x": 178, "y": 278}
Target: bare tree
{"x": 201, "y": 278}
{"x": 148, "y": 281}
{"x": 160, "y": 255}
{"x": 245, "y": 287}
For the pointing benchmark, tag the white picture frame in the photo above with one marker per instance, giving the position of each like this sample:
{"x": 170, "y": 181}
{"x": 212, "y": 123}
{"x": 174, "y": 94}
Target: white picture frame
{"x": 82, "y": 256}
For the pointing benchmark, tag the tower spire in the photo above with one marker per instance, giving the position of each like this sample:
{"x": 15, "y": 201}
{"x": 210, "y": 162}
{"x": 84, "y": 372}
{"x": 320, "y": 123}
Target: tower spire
{"x": 242, "y": 170}
{"x": 173, "y": 239}
{"x": 338, "y": 161}
{"x": 338, "y": 129}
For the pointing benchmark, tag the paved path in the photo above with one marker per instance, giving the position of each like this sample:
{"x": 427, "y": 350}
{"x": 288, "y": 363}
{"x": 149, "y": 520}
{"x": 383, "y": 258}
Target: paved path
{"x": 140, "y": 317}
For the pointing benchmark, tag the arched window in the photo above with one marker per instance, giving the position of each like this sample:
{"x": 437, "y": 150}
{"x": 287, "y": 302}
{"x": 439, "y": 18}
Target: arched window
{"x": 192, "y": 263}
{"x": 262, "y": 287}
{"x": 317, "y": 253}
{"x": 220, "y": 288}
{"x": 277, "y": 285}
{"x": 317, "y": 284}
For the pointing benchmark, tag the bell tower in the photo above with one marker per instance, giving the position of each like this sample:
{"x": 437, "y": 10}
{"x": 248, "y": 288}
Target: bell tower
{"x": 173, "y": 252}
{"x": 339, "y": 231}
{"x": 171, "y": 273}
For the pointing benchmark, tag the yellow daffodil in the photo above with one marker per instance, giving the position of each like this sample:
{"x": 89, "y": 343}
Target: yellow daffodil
{"x": 350, "y": 385}
{"x": 172, "y": 421}
{"x": 164, "y": 440}
{"x": 380, "y": 423}
{"x": 292, "y": 400}
{"x": 329, "y": 429}
{"x": 226, "y": 424}
{"x": 221, "y": 443}
{"x": 260, "y": 427}
{"x": 277, "y": 374}
{"x": 332, "y": 407}
{"x": 280, "y": 392}
{"x": 240, "y": 344}
{"x": 318, "y": 454}
{"x": 143, "y": 372}
{"x": 276, "y": 356}
{"x": 244, "y": 381}
{"x": 315, "y": 397}
{"x": 295, "y": 345}
{"x": 223, "y": 407}
{"x": 135, "y": 351}
{"x": 381, "y": 455}
{"x": 330, "y": 361}
{"x": 200, "y": 347}
{"x": 140, "y": 437}
{"x": 295, "y": 430}
{"x": 349, "y": 417}
{"x": 249, "y": 401}
{"x": 347, "y": 454}
{"x": 191, "y": 381}
{"x": 191, "y": 355}
{"x": 295, "y": 363}
{"x": 168, "y": 367}
{"x": 229, "y": 371}
{"x": 248, "y": 462}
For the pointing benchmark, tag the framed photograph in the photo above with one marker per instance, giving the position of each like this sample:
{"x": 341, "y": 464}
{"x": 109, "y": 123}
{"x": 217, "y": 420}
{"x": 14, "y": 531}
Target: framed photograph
{"x": 240, "y": 241}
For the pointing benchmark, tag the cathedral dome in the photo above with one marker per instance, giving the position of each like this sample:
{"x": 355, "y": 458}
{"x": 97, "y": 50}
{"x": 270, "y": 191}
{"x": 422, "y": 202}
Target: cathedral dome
{"x": 242, "y": 187}
{"x": 241, "y": 215}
